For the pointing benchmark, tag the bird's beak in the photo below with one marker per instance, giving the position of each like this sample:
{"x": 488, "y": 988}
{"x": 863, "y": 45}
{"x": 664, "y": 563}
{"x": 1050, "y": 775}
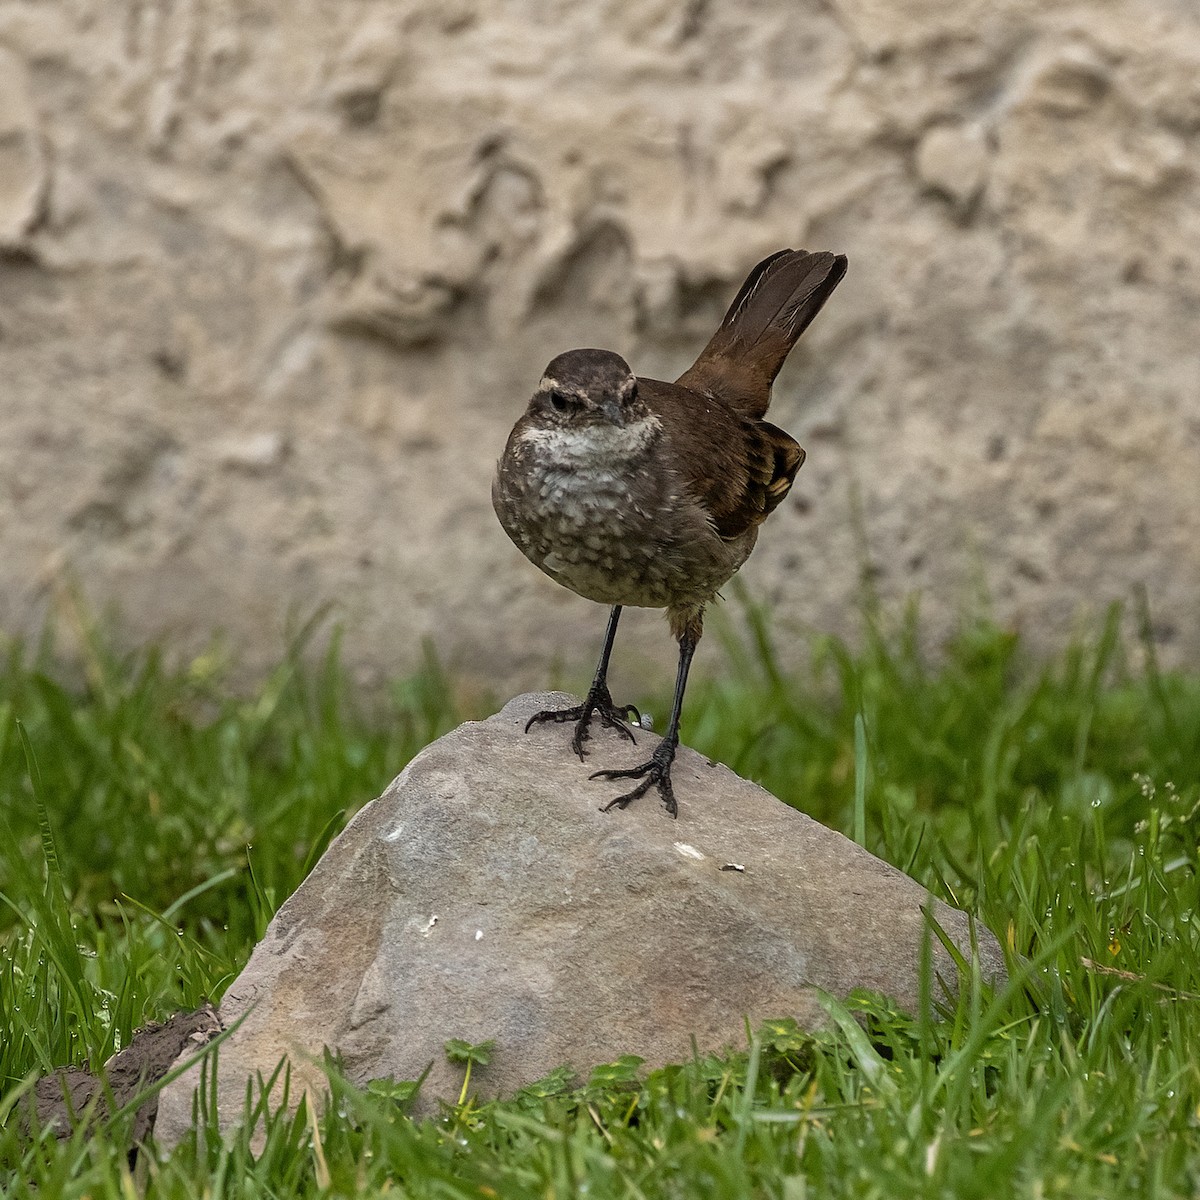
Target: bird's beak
{"x": 613, "y": 413}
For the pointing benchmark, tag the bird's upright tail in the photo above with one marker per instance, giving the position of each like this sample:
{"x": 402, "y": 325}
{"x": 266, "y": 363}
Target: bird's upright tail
{"x": 774, "y": 307}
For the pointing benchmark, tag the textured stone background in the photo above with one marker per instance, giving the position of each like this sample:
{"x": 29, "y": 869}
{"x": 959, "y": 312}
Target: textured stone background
{"x": 277, "y": 277}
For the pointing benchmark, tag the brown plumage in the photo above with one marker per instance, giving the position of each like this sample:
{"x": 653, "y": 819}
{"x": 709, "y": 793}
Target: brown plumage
{"x": 642, "y": 492}
{"x": 739, "y": 468}
{"x": 775, "y": 305}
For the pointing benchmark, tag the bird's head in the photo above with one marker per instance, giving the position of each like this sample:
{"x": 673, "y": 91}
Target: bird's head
{"x": 587, "y": 387}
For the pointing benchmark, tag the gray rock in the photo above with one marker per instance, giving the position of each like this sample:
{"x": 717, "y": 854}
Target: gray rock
{"x": 485, "y": 896}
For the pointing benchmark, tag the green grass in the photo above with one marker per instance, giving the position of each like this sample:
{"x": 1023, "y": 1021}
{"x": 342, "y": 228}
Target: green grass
{"x": 151, "y": 821}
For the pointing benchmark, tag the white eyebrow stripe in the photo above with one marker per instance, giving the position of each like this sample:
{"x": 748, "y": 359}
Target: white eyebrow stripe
{"x": 552, "y": 385}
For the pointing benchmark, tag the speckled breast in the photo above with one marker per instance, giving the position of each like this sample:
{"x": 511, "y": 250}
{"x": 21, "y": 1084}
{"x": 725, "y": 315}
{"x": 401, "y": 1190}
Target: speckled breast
{"x": 616, "y": 531}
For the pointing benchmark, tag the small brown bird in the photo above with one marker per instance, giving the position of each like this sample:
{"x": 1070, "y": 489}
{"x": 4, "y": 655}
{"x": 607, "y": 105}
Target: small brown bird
{"x": 638, "y": 492}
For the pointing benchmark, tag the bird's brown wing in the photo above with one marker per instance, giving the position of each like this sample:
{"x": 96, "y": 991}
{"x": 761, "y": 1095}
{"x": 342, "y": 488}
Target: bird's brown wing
{"x": 772, "y": 309}
{"x": 738, "y": 467}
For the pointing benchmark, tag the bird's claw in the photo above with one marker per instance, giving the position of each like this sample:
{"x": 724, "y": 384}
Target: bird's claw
{"x": 601, "y": 702}
{"x": 655, "y": 773}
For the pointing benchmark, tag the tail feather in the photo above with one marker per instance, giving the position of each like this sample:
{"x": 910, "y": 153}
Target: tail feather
{"x": 775, "y": 305}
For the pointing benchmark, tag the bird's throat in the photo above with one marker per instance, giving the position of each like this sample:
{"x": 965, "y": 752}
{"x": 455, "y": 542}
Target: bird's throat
{"x": 590, "y": 445}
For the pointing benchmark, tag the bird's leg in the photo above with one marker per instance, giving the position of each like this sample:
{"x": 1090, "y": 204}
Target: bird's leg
{"x": 657, "y": 772}
{"x": 598, "y": 699}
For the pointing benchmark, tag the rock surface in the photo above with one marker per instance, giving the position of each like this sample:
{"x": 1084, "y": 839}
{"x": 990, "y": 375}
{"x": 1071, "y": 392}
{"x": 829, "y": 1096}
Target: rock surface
{"x": 275, "y": 281}
{"x": 485, "y": 896}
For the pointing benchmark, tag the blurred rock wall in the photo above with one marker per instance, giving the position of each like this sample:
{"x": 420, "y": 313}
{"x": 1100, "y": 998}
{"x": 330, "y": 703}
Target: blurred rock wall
{"x": 277, "y": 277}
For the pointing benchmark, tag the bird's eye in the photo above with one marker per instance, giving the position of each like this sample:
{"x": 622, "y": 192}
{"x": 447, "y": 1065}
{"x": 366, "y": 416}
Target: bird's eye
{"x": 559, "y": 402}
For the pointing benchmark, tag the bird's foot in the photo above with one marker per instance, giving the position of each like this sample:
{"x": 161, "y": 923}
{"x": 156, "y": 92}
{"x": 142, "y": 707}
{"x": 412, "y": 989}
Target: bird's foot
{"x": 598, "y": 701}
{"x": 655, "y": 773}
